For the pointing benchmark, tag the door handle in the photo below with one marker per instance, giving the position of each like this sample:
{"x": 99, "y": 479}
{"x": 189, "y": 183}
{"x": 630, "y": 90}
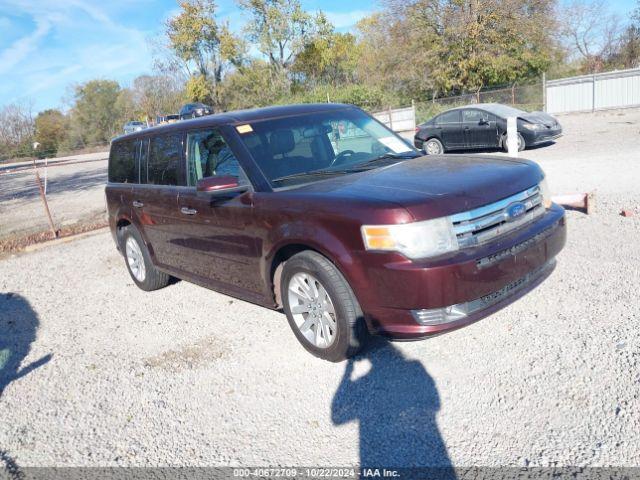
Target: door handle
{"x": 188, "y": 211}
{"x": 138, "y": 204}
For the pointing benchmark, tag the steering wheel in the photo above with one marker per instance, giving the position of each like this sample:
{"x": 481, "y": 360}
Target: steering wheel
{"x": 341, "y": 157}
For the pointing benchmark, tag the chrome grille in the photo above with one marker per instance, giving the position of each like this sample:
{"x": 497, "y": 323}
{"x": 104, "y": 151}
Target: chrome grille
{"x": 490, "y": 221}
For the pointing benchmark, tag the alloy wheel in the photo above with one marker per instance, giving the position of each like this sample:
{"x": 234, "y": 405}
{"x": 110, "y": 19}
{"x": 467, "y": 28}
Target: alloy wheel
{"x": 312, "y": 309}
{"x": 433, "y": 148}
{"x": 135, "y": 259}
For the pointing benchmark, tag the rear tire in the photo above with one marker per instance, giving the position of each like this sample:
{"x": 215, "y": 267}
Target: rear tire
{"x": 144, "y": 274}
{"x": 433, "y": 146}
{"x": 321, "y": 308}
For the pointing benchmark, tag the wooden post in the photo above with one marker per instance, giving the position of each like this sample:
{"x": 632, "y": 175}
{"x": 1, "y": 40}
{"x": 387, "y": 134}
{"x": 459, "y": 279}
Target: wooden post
{"x": 513, "y": 94}
{"x": 45, "y": 203}
{"x": 390, "y": 119}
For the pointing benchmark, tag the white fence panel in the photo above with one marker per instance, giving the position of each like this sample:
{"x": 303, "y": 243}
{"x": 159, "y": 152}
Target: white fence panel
{"x": 618, "y": 89}
{"x": 570, "y": 97}
{"x": 400, "y": 120}
{"x": 616, "y": 92}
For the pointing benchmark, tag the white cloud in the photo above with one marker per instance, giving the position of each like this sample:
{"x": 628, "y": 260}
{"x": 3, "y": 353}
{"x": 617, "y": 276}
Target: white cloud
{"x": 21, "y": 48}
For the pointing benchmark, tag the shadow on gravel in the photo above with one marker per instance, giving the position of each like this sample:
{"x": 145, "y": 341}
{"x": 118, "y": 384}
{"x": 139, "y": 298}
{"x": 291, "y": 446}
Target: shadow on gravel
{"x": 395, "y": 404}
{"x": 18, "y": 326}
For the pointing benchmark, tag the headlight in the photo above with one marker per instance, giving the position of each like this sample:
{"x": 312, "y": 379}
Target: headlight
{"x": 414, "y": 240}
{"x": 546, "y": 193}
{"x": 533, "y": 126}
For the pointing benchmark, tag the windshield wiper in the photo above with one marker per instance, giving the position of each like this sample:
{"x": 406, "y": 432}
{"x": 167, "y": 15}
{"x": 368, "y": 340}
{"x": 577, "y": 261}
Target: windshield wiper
{"x": 310, "y": 174}
{"x": 386, "y": 156}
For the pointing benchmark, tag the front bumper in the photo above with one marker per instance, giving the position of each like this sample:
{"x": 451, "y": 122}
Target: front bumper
{"x": 544, "y": 136}
{"x": 476, "y": 281}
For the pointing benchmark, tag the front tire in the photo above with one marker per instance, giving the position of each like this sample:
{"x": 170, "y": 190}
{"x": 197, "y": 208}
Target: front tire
{"x": 521, "y": 143}
{"x": 144, "y": 274}
{"x": 321, "y": 308}
{"x": 433, "y": 146}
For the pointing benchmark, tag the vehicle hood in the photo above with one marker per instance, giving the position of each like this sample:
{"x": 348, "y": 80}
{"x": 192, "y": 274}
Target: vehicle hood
{"x": 433, "y": 186}
{"x": 539, "y": 117}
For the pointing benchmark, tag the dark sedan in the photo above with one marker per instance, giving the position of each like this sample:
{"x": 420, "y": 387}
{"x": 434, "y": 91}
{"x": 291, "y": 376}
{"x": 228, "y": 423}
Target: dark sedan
{"x": 193, "y": 110}
{"x": 484, "y": 126}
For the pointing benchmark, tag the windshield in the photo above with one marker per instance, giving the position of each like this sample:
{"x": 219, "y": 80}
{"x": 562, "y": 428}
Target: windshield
{"x": 303, "y": 148}
{"x": 504, "y": 110}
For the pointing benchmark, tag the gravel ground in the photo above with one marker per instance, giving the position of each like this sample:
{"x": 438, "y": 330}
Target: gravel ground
{"x": 105, "y": 374}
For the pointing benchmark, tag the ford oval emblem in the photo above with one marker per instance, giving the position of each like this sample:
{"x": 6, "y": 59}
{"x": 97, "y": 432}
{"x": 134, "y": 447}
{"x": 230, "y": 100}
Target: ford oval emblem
{"x": 515, "y": 210}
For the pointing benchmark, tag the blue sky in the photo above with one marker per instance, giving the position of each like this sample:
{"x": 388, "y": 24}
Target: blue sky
{"x": 48, "y": 45}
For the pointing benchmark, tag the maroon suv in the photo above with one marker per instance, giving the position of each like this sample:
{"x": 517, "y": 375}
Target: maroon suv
{"x": 324, "y": 212}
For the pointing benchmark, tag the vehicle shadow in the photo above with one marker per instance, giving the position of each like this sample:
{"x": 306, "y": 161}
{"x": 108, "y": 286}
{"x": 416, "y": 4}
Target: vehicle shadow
{"x": 395, "y": 404}
{"x": 18, "y": 327}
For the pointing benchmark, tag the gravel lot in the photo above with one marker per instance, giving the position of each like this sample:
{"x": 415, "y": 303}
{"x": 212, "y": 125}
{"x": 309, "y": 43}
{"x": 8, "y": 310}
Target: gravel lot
{"x": 110, "y": 375}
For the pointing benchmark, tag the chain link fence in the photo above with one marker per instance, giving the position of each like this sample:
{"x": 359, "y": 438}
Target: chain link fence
{"x": 527, "y": 97}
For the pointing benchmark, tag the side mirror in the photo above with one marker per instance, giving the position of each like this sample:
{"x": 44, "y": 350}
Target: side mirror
{"x": 213, "y": 184}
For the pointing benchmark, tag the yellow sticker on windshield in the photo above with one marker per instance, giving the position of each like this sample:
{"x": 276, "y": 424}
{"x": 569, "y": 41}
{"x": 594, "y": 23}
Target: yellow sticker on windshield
{"x": 244, "y": 128}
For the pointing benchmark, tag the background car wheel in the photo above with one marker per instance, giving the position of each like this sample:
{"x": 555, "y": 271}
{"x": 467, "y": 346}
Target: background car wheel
{"x": 138, "y": 261}
{"x": 521, "y": 143}
{"x": 433, "y": 146}
{"x": 321, "y": 307}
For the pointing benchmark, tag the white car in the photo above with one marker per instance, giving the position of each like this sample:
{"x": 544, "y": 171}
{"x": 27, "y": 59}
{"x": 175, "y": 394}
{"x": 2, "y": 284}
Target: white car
{"x": 134, "y": 126}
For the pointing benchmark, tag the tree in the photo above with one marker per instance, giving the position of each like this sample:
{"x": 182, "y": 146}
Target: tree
{"x": 156, "y": 95}
{"x": 202, "y": 46}
{"x": 328, "y": 59}
{"x": 255, "y": 84}
{"x": 96, "y": 114}
{"x": 591, "y": 33}
{"x": 16, "y": 130}
{"x": 281, "y": 29}
{"x": 51, "y": 130}
{"x": 451, "y": 46}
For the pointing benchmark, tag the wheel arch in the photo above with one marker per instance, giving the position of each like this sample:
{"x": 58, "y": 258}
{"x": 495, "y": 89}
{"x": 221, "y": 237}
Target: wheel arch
{"x": 284, "y": 252}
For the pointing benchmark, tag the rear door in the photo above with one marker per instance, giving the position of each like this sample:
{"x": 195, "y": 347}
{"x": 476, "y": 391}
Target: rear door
{"x": 450, "y": 130}
{"x": 479, "y": 128}
{"x": 217, "y": 234}
{"x": 155, "y": 199}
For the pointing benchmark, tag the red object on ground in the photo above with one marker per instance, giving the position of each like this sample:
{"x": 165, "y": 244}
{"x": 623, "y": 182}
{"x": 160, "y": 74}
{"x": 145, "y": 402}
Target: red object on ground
{"x": 626, "y": 213}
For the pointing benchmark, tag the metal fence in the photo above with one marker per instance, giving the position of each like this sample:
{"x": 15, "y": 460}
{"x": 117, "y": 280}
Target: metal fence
{"x": 588, "y": 93}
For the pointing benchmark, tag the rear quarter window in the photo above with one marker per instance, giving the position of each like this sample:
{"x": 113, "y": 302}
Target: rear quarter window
{"x": 165, "y": 157}
{"x": 122, "y": 162}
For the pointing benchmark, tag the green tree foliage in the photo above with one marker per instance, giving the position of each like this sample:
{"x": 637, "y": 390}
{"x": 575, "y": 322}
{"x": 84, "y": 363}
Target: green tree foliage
{"x": 281, "y": 29}
{"x": 450, "y": 46}
{"x": 51, "y": 131}
{"x": 331, "y": 59}
{"x": 204, "y": 47}
{"x": 96, "y": 115}
{"x": 255, "y": 84}
{"x": 198, "y": 89}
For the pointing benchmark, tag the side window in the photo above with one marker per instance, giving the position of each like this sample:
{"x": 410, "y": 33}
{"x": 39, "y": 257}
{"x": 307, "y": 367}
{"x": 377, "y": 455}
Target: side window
{"x": 122, "y": 162}
{"x": 448, "y": 118}
{"x": 165, "y": 155}
{"x": 208, "y": 155}
{"x": 474, "y": 116}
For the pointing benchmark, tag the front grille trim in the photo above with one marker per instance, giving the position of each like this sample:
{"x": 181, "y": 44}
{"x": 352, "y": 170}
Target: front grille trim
{"x": 485, "y": 223}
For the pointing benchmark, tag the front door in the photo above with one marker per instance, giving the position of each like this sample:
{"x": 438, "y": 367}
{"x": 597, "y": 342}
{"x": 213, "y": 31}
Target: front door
{"x": 217, "y": 236}
{"x": 479, "y": 129}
